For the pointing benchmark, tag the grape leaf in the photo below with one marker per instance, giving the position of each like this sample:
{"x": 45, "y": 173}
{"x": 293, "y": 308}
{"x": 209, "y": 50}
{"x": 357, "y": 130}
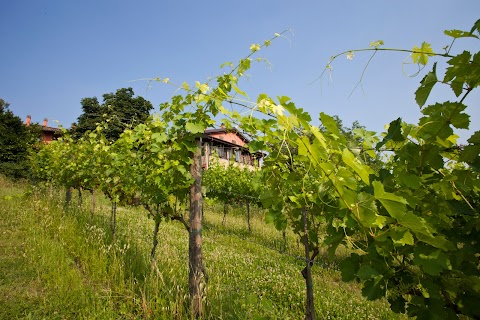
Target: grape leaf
{"x": 194, "y": 127}
{"x": 440, "y": 116}
{"x": 366, "y": 272}
{"x": 377, "y": 43}
{"x": 420, "y": 55}
{"x": 427, "y": 83}
{"x": 410, "y": 180}
{"x": 256, "y": 145}
{"x": 439, "y": 242}
{"x": 431, "y": 289}
{"x": 460, "y": 34}
{"x": 415, "y": 224}
{"x": 458, "y": 71}
{"x": 302, "y": 116}
{"x": 395, "y": 205}
{"x": 431, "y": 157}
{"x": 349, "y": 267}
{"x": 237, "y": 90}
{"x": 476, "y": 27}
{"x": 401, "y": 236}
{"x": 373, "y": 289}
{"x": 475, "y": 138}
{"x": 314, "y": 151}
{"x": 159, "y": 137}
{"x": 394, "y": 133}
{"x": 255, "y": 47}
{"x": 270, "y": 217}
{"x": 268, "y": 198}
{"x": 432, "y": 261}
{"x": 367, "y": 209}
{"x": 331, "y": 125}
{"x": 346, "y": 177}
{"x": 397, "y": 304}
{"x": 362, "y": 170}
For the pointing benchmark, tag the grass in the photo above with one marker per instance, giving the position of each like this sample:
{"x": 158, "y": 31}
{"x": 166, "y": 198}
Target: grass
{"x": 61, "y": 265}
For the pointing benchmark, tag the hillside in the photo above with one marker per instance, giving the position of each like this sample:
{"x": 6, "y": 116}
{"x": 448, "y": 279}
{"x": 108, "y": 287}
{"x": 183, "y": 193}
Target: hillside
{"x": 63, "y": 264}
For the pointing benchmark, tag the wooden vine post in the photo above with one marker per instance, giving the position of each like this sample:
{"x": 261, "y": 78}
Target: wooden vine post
{"x": 247, "y": 204}
{"x": 225, "y": 208}
{"x": 196, "y": 267}
{"x": 68, "y": 197}
{"x": 92, "y": 212}
{"x": 310, "y": 307}
{"x": 80, "y": 199}
{"x": 113, "y": 218}
{"x": 157, "y": 220}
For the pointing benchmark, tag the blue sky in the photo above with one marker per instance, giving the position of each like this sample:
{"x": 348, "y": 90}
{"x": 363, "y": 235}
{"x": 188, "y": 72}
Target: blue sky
{"x": 54, "y": 53}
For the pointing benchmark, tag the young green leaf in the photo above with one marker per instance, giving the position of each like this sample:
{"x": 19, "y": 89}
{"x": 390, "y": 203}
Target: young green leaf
{"x": 255, "y": 47}
{"x": 420, "y": 55}
{"x": 377, "y": 43}
{"x": 459, "y": 34}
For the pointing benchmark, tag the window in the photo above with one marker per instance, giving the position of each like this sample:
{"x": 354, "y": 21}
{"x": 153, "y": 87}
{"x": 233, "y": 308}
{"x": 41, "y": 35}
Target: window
{"x": 238, "y": 155}
{"x": 221, "y": 152}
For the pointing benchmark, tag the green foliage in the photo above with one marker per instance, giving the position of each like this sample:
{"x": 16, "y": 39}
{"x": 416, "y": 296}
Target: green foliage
{"x": 464, "y": 69}
{"x": 413, "y": 220}
{"x": 426, "y": 86}
{"x": 231, "y": 184}
{"x": 16, "y": 141}
{"x": 120, "y": 110}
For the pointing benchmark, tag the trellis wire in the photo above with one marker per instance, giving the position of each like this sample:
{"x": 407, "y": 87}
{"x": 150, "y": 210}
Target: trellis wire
{"x": 230, "y": 233}
{"x": 324, "y": 264}
{"x": 237, "y": 194}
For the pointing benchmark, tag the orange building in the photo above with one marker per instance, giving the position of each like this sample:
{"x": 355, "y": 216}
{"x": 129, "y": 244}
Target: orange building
{"x": 47, "y": 134}
{"x": 230, "y": 146}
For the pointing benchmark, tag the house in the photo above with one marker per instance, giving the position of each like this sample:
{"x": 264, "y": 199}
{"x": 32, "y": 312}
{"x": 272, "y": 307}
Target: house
{"x": 230, "y": 146}
{"x": 47, "y": 134}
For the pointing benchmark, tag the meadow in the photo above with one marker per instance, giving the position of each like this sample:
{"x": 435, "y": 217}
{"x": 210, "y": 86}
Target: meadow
{"x": 62, "y": 263}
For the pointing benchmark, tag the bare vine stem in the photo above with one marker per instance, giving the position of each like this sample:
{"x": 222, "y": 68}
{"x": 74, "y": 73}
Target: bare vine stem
{"x": 327, "y": 67}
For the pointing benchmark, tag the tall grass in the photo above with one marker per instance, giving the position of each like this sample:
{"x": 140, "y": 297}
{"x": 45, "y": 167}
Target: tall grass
{"x": 61, "y": 264}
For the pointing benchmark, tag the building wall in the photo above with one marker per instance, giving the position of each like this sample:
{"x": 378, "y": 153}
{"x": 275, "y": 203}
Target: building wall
{"x": 47, "y": 137}
{"x": 47, "y": 134}
{"x": 210, "y": 154}
{"x": 230, "y": 137}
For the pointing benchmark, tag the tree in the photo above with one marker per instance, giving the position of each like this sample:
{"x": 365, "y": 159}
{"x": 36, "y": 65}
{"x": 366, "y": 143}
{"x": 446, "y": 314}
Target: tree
{"x": 119, "y": 110}
{"x": 15, "y": 141}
